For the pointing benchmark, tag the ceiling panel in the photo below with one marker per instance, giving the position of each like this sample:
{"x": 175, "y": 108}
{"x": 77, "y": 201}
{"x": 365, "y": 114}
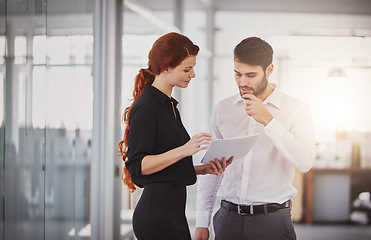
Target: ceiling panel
{"x": 297, "y": 6}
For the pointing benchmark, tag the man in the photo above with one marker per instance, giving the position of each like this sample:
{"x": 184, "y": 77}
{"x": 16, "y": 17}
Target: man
{"x": 256, "y": 191}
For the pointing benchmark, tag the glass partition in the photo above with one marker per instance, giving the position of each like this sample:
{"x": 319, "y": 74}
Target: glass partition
{"x": 46, "y": 118}
{"x": 2, "y": 114}
{"x": 68, "y": 118}
{"x": 22, "y": 175}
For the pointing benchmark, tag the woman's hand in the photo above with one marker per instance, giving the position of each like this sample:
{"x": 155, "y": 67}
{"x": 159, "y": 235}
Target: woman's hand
{"x": 155, "y": 163}
{"x": 217, "y": 167}
{"x": 197, "y": 143}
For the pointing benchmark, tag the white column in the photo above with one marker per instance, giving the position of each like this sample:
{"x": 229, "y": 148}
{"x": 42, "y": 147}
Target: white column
{"x": 105, "y": 202}
{"x": 178, "y": 22}
{"x": 12, "y": 92}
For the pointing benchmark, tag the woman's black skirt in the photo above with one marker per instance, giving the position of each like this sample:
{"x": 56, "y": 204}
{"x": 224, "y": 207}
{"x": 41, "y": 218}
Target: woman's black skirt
{"x": 160, "y": 213}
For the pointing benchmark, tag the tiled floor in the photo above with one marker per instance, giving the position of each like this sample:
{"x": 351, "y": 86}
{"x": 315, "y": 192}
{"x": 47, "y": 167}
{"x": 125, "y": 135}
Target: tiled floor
{"x": 333, "y": 232}
{"x": 330, "y": 232}
{"x": 303, "y": 231}
{"x": 323, "y": 232}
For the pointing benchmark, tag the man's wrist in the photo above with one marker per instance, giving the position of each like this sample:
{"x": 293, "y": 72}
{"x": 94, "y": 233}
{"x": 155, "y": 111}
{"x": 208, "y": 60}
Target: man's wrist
{"x": 268, "y": 121}
{"x": 203, "y": 219}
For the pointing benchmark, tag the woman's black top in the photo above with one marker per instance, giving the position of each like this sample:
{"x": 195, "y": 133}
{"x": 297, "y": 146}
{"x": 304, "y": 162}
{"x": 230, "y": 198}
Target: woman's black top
{"x": 154, "y": 129}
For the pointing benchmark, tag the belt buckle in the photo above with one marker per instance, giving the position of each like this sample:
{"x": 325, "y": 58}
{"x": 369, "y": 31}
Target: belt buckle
{"x": 288, "y": 204}
{"x": 239, "y": 210}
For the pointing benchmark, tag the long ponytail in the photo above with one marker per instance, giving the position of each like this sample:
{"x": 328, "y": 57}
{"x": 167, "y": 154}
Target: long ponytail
{"x": 145, "y": 77}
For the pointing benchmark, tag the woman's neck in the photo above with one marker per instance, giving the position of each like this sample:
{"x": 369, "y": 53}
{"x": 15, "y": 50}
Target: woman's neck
{"x": 161, "y": 84}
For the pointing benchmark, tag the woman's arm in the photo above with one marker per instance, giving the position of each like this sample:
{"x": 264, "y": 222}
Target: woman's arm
{"x": 156, "y": 163}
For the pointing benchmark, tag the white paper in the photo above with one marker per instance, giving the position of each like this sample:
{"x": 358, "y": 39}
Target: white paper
{"x": 236, "y": 147}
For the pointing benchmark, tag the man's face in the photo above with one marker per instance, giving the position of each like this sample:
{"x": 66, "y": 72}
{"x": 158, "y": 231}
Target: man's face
{"x": 250, "y": 79}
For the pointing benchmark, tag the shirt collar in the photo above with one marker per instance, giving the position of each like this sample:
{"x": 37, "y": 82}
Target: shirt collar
{"x": 273, "y": 98}
{"x": 162, "y": 97}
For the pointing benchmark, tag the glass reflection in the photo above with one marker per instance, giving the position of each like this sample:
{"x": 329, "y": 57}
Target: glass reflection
{"x": 21, "y": 173}
{"x": 69, "y": 111}
{"x": 46, "y": 120}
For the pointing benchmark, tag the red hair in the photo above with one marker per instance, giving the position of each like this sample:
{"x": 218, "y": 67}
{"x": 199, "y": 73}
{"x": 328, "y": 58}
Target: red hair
{"x": 167, "y": 52}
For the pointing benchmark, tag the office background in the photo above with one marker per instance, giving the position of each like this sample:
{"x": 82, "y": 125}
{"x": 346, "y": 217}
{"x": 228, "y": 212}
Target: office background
{"x": 66, "y": 73}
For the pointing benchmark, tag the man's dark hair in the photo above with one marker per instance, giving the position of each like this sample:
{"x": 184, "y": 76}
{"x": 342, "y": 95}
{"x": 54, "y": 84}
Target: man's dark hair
{"x": 254, "y": 51}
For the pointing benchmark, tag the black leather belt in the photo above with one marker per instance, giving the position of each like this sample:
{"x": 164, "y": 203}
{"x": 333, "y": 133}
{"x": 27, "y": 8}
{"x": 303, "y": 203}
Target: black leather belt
{"x": 254, "y": 209}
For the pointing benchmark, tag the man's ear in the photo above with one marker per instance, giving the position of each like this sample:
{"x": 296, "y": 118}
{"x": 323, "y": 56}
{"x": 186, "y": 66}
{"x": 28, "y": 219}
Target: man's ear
{"x": 269, "y": 69}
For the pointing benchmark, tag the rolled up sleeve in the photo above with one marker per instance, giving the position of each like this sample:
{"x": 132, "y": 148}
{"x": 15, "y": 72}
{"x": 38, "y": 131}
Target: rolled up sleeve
{"x": 207, "y": 188}
{"x": 142, "y": 133}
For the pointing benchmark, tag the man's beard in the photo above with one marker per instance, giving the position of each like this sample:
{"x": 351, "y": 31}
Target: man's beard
{"x": 260, "y": 88}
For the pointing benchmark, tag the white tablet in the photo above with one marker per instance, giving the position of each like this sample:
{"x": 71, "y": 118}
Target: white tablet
{"x": 236, "y": 147}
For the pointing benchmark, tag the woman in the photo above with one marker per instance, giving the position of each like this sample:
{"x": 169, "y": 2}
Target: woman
{"x": 156, "y": 148}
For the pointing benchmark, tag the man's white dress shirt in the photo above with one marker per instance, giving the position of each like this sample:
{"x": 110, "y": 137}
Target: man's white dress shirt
{"x": 265, "y": 175}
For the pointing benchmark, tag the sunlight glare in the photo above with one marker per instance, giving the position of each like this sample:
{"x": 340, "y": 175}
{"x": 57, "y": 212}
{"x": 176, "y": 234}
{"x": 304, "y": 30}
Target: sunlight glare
{"x": 337, "y": 113}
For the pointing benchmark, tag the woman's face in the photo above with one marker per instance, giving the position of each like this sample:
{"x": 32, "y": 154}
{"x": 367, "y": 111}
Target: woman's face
{"x": 181, "y": 75}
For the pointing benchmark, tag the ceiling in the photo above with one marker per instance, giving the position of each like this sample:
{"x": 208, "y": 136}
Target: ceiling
{"x": 297, "y": 6}
{"x": 60, "y": 12}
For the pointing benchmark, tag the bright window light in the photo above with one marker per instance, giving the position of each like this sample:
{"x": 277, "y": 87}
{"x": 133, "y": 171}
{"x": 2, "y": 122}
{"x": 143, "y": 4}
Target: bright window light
{"x": 20, "y": 49}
